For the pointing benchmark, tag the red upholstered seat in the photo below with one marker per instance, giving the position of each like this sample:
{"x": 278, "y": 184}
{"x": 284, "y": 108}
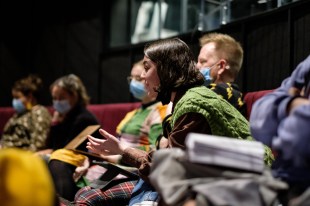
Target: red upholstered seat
{"x": 5, "y": 114}
{"x": 251, "y": 97}
{"x": 108, "y": 115}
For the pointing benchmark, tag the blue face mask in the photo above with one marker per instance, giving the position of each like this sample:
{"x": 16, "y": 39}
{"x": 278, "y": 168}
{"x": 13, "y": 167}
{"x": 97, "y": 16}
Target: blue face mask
{"x": 61, "y": 106}
{"x": 206, "y": 72}
{"x": 18, "y": 106}
{"x": 137, "y": 89}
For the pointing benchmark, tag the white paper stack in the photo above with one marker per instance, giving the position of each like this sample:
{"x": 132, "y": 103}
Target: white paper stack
{"x": 226, "y": 152}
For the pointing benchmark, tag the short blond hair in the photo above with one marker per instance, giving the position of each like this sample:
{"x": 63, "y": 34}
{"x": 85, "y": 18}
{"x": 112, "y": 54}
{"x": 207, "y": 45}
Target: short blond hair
{"x": 228, "y": 49}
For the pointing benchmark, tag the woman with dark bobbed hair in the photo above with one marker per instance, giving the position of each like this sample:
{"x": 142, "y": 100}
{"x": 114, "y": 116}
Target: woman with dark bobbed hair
{"x": 170, "y": 75}
{"x": 28, "y": 128}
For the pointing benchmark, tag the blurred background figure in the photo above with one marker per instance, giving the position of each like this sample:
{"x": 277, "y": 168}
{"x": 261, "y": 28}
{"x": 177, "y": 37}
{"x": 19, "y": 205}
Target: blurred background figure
{"x": 28, "y": 128}
{"x": 25, "y": 180}
{"x": 71, "y": 116}
{"x": 141, "y": 127}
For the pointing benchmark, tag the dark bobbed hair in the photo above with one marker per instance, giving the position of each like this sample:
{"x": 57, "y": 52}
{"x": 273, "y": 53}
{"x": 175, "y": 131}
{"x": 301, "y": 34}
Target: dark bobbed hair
{"x": 175, "y": 64}
{"x": 73, "y": 85}
{"x": 32, "y": 84}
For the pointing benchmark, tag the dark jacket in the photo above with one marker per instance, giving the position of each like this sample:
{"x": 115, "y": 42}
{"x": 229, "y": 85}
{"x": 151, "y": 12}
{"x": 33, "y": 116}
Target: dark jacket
{"x": 75, "y": 122}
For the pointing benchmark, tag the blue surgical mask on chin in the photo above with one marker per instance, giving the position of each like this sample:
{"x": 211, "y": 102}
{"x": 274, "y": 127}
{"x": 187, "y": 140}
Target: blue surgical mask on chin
{"x": 61, "y": 106}
{"x": 18, "y": 106}
{"x": 137, "y": 89}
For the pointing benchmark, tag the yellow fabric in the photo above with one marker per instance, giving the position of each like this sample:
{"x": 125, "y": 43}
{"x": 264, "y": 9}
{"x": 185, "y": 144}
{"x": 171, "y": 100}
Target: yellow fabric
{"x": 24, "y": 179}
{"x": 69, "y": 157}
{"x": 128, "y": 116}
{"x": 162, "y": 111}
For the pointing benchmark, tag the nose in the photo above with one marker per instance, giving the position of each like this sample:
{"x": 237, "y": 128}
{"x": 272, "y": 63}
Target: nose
{"x": 142, "y": 76}
{"x": 198, "y": 65}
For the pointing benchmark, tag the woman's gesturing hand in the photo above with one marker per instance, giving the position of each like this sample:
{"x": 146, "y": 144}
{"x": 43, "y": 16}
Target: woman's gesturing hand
{"x": 108, "y": 146}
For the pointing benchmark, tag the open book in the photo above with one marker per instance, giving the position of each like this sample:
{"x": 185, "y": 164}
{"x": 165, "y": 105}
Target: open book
{"x": 80, "y": 138}
{"x": 226, "y": 152}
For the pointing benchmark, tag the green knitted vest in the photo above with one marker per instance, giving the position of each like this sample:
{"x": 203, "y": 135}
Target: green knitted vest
{"x": 223, "y": 118}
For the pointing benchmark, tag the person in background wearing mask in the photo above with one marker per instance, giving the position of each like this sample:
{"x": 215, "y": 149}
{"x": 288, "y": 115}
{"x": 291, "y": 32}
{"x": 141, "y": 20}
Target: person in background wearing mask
{"x": 220, "y": 60}
{"x": 141, "y": 127}
{"x": 28, "y": 128}
{"x": 70, "y": 117}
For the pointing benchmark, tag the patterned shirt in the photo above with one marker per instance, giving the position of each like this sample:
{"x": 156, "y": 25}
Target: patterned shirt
{"x": 231, "y": 93}
{"x": 28, "y": 130}
{"x": 141, "y": 127}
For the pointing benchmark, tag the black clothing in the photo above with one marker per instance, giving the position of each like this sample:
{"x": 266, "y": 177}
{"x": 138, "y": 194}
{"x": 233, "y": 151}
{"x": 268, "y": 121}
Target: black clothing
{"x": 61, "y": 134}
{"x": 75, "y": 122}
{"x": 231, "y": 93}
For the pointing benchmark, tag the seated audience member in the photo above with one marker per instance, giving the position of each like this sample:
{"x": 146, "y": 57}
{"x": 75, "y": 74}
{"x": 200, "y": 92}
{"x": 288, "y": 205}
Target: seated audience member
{"x": 281, "y": 120}
{"x": 220, "y": 60}
{"x": 170, "y": 75}
{"x": 139, "y": 129}
{"x": 71, "y": 116}
{"x": 25, "y": 179}
{"x": 29, "y": 126}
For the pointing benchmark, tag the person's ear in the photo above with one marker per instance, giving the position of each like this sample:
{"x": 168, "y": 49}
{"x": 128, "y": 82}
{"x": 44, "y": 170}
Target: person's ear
{"x": 224, "y": 64}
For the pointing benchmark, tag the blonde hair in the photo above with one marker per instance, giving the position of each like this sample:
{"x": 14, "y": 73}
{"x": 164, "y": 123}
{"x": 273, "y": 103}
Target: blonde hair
{"x": 73, "y": 84}
{"x": 227, "y": 47}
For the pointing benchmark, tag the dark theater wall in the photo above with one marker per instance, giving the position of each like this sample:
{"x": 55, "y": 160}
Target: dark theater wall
{"x": 54, "y": 38}
{"x": 51, "y": 39}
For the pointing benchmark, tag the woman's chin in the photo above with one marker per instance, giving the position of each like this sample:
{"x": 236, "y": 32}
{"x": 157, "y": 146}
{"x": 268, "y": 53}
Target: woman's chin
{"x": 152, "y": 94}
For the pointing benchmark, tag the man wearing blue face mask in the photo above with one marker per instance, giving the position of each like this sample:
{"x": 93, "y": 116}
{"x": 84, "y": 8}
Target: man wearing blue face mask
{"x": 220, "y": 60}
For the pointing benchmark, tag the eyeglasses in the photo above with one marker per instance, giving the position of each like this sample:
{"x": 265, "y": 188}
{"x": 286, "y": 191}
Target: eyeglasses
{"x": 137, "y": 78}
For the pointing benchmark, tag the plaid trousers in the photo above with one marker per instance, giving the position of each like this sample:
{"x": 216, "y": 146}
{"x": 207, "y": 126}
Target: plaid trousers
{"x": 118, "y": 195}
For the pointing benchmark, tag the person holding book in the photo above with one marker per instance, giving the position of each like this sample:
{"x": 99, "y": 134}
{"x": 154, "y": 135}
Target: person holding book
{"x": 70, "y": 117}
{"x": 170, "y": 75}
{"x": 281, "y": 120}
